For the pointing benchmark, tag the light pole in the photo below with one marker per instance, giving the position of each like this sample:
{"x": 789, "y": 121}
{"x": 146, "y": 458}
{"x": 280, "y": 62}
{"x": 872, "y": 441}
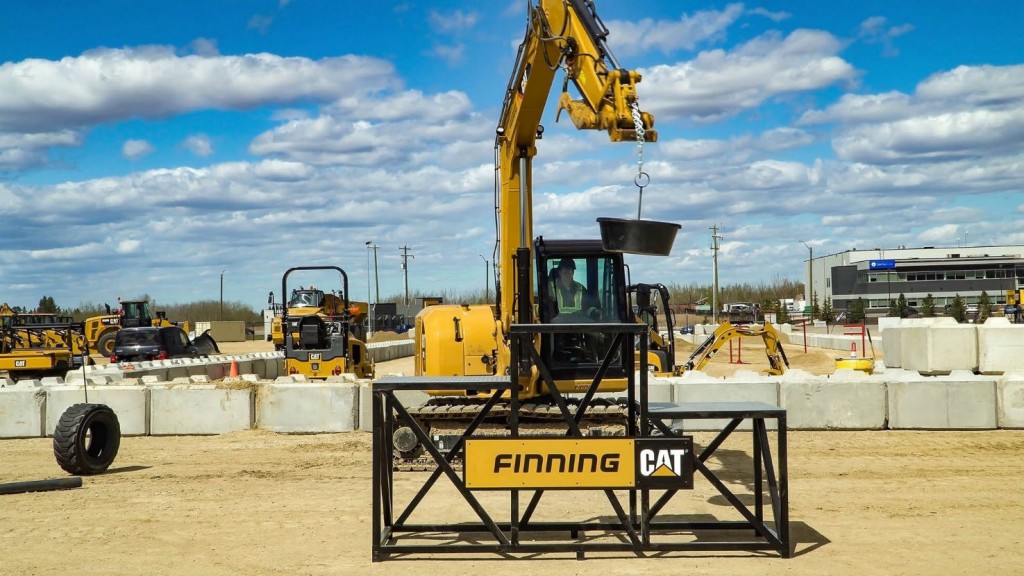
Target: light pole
{"x": 369, "y": 306}
{"x": 810, "y": 275}
{"x": 222, "y": 294}
{"x": 487, "y": 279}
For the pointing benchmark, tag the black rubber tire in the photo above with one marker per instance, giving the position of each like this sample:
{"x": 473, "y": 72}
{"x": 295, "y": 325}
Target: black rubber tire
{"x": 105, "y": 345}
{"x": 86, "y": 439}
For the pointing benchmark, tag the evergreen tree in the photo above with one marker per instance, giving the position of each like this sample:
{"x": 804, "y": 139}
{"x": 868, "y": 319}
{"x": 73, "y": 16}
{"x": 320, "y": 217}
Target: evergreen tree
{"x": 958, "y": 309}
{"x": 783, "y": 313}
{"x": 984, "y": 306}
{"x": 928, "y": 306}
{"x": 815, "y": 308}
{"x": 47, "y": 305}
{"x": 902, "y": 307}
{"x": 827, "y": 313}
{"x": 856, "y": 312}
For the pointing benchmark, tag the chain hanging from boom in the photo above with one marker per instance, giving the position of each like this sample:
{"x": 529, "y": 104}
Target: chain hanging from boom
{"x": 642, "y": 178}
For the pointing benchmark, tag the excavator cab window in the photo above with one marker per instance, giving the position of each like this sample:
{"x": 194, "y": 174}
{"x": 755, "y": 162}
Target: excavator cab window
{"x": 579, "y": 290}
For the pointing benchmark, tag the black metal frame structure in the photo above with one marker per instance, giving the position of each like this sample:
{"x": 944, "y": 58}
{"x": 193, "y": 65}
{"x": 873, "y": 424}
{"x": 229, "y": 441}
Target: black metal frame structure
{"x": 638, "y": 530}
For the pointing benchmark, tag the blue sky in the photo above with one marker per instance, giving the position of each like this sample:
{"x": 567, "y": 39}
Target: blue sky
{"x": 147, "y": 147}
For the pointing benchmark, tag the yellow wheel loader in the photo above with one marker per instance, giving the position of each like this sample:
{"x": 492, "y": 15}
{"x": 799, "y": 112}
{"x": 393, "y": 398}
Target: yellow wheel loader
{"x": 100, "y": 330}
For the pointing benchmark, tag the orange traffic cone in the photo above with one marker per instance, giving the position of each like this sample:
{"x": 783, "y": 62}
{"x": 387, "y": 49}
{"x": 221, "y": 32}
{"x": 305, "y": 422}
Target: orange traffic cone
{"x": 233, "y": 373}
{"x": 853, "y": 349}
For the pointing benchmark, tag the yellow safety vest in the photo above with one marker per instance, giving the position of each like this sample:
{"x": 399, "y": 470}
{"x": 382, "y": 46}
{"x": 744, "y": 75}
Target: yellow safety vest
{"x": 577, "y": 303}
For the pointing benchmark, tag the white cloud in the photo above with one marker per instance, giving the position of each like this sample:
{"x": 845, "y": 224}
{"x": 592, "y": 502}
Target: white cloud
{"x": 393, "y": 128}
{"x": 667, "y": 36}
{"x": 451, "y": 54}
{"x": 153, "y": 82}
{"x": 22, "y": 151}
{"x": 454, "y": 21}
{"x": 203, "y": 47}
{"x": 718, "y": 84}
{"x": 199, "y": 144}
{"x": 876, "y": 30}
{"x": 967, "y": 112}
{"x": 128, "y": 246}
{"x": 135, "y": 149}
{"x": 260, "y": 22}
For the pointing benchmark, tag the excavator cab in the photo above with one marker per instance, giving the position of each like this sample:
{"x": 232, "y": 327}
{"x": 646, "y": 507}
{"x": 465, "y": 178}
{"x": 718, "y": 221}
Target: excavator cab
{"x": 579, "y": 283}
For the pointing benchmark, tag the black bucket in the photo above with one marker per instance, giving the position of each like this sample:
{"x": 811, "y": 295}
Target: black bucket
{"x": 638, "y": 236}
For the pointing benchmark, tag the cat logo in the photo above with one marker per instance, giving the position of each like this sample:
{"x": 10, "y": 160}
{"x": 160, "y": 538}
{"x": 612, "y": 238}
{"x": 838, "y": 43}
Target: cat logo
{"x": 314, "y": 356}
{"x": 19, "y": 364}
{"x": 579, "y": 463}
{"x": 522, "y": 81}
{"x": 664, "y": 463}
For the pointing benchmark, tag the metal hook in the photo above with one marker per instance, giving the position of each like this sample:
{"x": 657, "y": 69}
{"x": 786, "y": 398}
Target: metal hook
{"x": 641, "y": 180}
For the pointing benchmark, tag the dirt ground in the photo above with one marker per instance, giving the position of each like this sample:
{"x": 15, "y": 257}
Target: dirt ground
{"x": 256, "y": 503}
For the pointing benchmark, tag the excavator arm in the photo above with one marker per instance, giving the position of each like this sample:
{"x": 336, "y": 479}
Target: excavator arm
{"x": 726, "y": 331}
{"x": 563, "y": 35}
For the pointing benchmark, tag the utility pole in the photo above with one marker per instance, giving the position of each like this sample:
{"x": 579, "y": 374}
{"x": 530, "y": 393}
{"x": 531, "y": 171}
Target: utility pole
{"x": 369, "y": 305}
{"x": 405, "y": 271}
{"x": 487, "y": 279}
{"x": 222, "y": 295}
{"x": 714, "y": 290}
{"x": 810, "y": 275}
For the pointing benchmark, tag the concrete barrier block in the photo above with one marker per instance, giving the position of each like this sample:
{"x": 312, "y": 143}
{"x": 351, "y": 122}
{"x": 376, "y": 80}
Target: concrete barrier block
{"x": 176, "y": 371}
{"x": 824, "y": 403}
{"x": 199, "y": 409}
{"x": 128, "y": 402}
{"x": 939, "y": 347}
{"x": 756, "y": 389}
{"x": 365, "y": 399}
{"x": 1010, "y": 401}
{"x": 274, "y": 367}
{"x": 999, "y": 346}
{"x": 964, "y": 401}
{"x": 308, "y": 408}
{"x": 22, "y": 411}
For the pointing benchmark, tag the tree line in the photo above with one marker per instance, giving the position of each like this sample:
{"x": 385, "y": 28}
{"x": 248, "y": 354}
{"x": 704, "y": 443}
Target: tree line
{"x": 199, "y": 311}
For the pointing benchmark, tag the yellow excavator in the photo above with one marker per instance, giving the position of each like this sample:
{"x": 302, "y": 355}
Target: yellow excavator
{"x": 455, "y": 341}
{"x": 661, "y": 350}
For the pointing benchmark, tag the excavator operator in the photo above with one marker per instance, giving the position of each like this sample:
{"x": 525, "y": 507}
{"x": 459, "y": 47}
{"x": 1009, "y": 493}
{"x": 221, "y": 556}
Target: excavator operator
{"x": 571, "y": 298}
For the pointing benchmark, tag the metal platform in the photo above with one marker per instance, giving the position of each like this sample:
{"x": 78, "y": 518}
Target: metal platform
{"x": 637, "y": 523}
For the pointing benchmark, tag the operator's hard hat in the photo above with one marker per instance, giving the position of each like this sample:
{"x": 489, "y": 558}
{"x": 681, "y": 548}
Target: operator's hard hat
{"x": 567, "y": 263}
